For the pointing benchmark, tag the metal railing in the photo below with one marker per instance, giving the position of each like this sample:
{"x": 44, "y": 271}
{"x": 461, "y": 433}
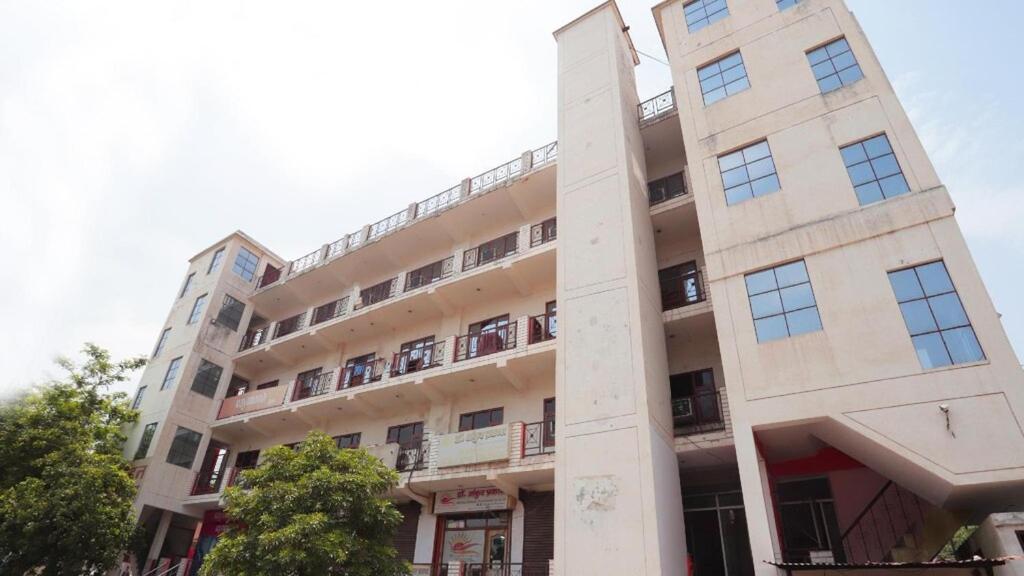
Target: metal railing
{"x": 427, "y": 275}
{"x": 207, "y": 482}
{"x": 544, "y": 232}
{"x": 315, "y": 385}
{"x": 330, "y": 311}
{"x": 542, "y": 328}
{"x": 416, "y": 360}
{"x": 254, "y": 338}
{"x": 439, "y": 202}
{"x": 363, "y": 373}
{"x": 657, "y": 107}
{"x": 355, "y": 240}
{"x": 497, "y": 176}
{"x": 698, "y": 413}
{"x": 667, "y": 188}
{"x": 413, "y": 456}
{"x": 893, "y": 513}
{"x": 506, "y": 569}
{"x": 305, "y": 263}
{"x": 491, "y": 251}
{"x": 545, "y": 155}
{"x": 378, "y": 292}
{"x": 290, "y": 325}
{"x": 539, "y": 438}
{"x": 485, "y": 342}
{"x": 337, "y": 247}
{"x": 389, "y": 224}
{"x": 683, "y": 290}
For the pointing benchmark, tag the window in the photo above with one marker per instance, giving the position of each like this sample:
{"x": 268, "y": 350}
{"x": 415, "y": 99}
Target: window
{"x": 938, "y": 325}
{"x": 695, "y": 402}
{"x": 171, "y": 374}
{"x": 348, "y": 440}
{"x": 701, "y": 13}
{"x": 428, "y": 274}
{"x": 138, "y": 397}
{"x": 161, "y": 342}
{"x": 197, "y": 309}
{"x": 406, "y": 435}
{"x": 481, "y": 419}
{"x": 748, "y": 173}
{"x": 782, "y": 302}
{"x": 145, "y": 441}
{"x": 378, "y": 292}
{"x": 807, "y": 516}
{"x": 184, "y": 447}
{"x": 490, "y": 251}
{"x": 680, "y": 286}
{"x": 834, "y": 66}
{"x": 413, "y": 356}
{"x": 230, "y": 315}
{"x": 722, "y": 78}
{"x": 215, "y": 262}
{"x": 309, "y": 384}
{"x": 188, "y": 284}
{"x": 665, "y": 188}
{"x": 873, "y": 170}
{"x": 783, "y": 4}
{"x": 245, "y": 264}
{"x": 207, "y": 378}
{"x": 361, "y": 370}
{"x": 248, "y": 459}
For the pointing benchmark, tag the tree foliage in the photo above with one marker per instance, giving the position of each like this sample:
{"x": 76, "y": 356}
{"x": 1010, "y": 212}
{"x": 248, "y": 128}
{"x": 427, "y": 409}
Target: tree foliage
{"x": 65, "y": 489}
{"x": 319, "y": 510}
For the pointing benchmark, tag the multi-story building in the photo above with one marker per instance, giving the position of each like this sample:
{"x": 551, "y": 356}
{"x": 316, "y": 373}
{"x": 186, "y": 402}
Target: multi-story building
{"x": 755, "y": 340}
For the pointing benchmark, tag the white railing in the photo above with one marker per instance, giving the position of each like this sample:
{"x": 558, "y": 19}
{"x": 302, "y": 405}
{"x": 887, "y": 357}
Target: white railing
{"x": 497, "y": 176}
{"x": 389, "y": 224}
{"x": 658, "y": 106}
{"x": 439, "y": 202}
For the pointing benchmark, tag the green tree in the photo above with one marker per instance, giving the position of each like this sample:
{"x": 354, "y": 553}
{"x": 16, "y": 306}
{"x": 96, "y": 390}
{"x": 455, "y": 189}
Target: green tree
{"x": 319, "y": 510}
{"x": 65, "y": 489}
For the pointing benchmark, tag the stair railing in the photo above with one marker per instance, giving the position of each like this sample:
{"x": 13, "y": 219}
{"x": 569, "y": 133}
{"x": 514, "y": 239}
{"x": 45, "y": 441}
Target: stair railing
{"x": 893, "y": 513}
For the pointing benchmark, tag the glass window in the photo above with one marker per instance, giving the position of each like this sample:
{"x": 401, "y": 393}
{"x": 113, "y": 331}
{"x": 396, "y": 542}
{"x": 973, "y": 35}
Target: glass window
{"x": 161, "y": 342}
{"x": 873, "y": 170}
{"x": 935, "y": 317}
{"x": 722, "y": 78}
{"x": 188, "y": 284}
{"x": 748, "y": 173}
{"x": 348, "y": 440}
{"x": 834, "y": 66}
{"x": 782, "y": 302}
{"x": 207, "y": 377}
{"x": 138, "y": 397}
{"x": 245, "y": 264}
{"x": 171, "y": 374}
{"x": 665, "y": 188}
{"x": 407, "y": 435}
{"x": 481, "y": 419}
{"x": 197, "y": 309}
{"x": 783, "y": 4}
{"x": 184, "y": 447}
{"x": 216, "y": 260}
{"x": 145, "y": 441}
{"x": 230, "y": 314}
{"x": 701, "y": 13}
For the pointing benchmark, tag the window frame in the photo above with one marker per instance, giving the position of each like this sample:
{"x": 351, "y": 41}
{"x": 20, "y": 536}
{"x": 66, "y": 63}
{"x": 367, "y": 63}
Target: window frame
{"x": 182, "y": 432}
{"x": 197, "y": 309}
{"x": 161, "y": 342}
{"x": 783, "y": 312}
{"x": 215, "y": 261}
{"x": 707, "y": 20}
{"x": 249, "y": 265}
{"x": 870, "y": 161}
{"x": 145, "y": 441}
{"x": 745, "y": 164}
{"x": 171, "y": 374}
{"x": 491, "y": 414}
{"x": 202, "y": 380}
{"x": 705, "y": 79}
{"x": 417, "y": 434}
{"x": 836, "y": 71}
{"x": 228, "y": 319}
{"x": 140, "y": 393}
{"x": 352, "y": 440}
{"x": 187, "y": 287}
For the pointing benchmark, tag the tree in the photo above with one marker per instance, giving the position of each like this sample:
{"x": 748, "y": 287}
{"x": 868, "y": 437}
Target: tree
{"x": 315, "y": 511}
{"x": 65, "y": 489}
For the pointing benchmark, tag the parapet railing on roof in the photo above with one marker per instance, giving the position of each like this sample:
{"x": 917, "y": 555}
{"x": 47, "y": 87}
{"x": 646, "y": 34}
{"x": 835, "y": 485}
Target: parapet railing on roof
{"x": 660, "y": 105}
{"x": 501, "y": 175}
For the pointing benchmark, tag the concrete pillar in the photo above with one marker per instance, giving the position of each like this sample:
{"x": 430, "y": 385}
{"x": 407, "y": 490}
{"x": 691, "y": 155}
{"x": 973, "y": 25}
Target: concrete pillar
{"x": 618, "y": 507}
{"x": 757, "y": 498}
{"x": 158, "y": 538}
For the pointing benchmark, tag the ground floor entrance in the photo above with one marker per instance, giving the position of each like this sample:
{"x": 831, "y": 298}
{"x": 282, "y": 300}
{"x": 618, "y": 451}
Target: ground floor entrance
{"x": 481, "y": 541}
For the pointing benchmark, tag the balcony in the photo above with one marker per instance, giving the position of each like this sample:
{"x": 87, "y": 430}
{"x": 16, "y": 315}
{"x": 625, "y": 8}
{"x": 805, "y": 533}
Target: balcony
{"x": 544, "y": 232}
{"x": 698, "y": 413}
{"x": 255, "y": 337}
{"x": 667, "y": 188}
{"x": 486, "y": 342}
{"x": 491, "y": 251}
{"x": 661, "y": 106}
{"x": 538, "y": 438}
{"x": 290, "y": 325}
{"x": 361, "y": 373}
{"x": 418, "y": 359}
{"x": 330, "y": 311}
{"x": 682, "y": 289}
{"x": 542, "y": 328}
{"x": 315, "y": 384}
{"x": 254, "y": 401}
{"x": 208, "y": 482}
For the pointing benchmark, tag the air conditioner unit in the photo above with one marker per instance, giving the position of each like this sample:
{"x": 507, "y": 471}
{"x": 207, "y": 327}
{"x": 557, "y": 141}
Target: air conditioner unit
{"x": 682, "y": 407}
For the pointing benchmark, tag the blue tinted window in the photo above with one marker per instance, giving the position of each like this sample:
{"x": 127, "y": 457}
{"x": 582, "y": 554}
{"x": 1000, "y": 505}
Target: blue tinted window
{"x": 834, "y": 66}
{"x": 245, "y": 264}
{"x": 722, "y": 78}
{"x": 782, "y": 302}
{"x": 701, "y": 13}
{"x": 748, "y": 173}
{"x": 783, "y": 4}
{"x": 935, "y": 317}
{"x": 873, "y": 170}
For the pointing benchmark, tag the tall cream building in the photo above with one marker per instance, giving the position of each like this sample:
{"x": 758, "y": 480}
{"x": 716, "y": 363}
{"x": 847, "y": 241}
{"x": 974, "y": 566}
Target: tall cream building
{"x": 732, "y": 330}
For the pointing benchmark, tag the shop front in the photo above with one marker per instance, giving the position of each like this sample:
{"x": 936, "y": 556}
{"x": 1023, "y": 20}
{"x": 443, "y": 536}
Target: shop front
{"x": 474, "y": 527}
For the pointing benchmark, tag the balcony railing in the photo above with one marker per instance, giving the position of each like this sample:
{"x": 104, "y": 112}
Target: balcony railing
{"x": 684, "y": 290}
{"x": 491, "y": 251}
{"x": 497, "y": 176}
{"x": 363, "y": 373}
{"x": 664, "y": 189}
{"x": 544, "y": 232}
{"x": 539, "y": 438}
{"x": 545, "y": 155}
{"x": 388, "y": 225}
{"x": 254, "y": 338}
{"x": 330, "y": 311}
{"x": 542, "y": 328}
{"x": 698, "y": 413}
{"x": 314, "y": 385}
{"x": 439, "y": 202}
{"x": 253, "y": 401}
{"x": 207, "y": 482}
{"x": 305, "y": 263}
{"x": 506, "y": 569}
{"x": 290, "y": 325}
{"x": 486, "y": 342}
{"x": 270, "y": 275}
{"x": 413, "y": 456}
{"x": 378, "y": 293}
{"x": 429, "y": 356}
{"x": 427, "y": 275}
{"x": 657, "y": 107}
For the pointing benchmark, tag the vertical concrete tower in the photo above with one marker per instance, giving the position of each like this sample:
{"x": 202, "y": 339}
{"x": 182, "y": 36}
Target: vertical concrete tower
{"x": 617, "y": 499}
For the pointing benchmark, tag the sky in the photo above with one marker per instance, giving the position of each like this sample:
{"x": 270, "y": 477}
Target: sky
{"x": 133, "y": 134}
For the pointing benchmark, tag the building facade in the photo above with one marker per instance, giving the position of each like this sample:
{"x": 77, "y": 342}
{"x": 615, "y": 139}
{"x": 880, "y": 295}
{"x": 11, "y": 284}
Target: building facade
{"x": 733, "y": 329}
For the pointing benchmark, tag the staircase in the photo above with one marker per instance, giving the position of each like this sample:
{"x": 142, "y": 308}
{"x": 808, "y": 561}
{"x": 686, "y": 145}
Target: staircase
{"x": 898, "y": 526}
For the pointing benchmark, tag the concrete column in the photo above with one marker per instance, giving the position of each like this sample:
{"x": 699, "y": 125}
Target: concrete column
{"x": 158, "y": 538}
{"x": 757, "y": 498}
{"x": 618, "y": 507}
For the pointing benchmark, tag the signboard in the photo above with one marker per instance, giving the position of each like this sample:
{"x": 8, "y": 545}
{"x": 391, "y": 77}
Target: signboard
{"x": 466, "y": 546}
{"x": 471, "y": 500}
{"x": 473, "y": 446}
{"x": 252, "y": 401}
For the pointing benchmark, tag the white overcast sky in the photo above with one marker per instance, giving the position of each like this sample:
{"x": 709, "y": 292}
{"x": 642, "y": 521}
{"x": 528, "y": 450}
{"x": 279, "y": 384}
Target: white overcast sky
{"x": 135, "y": 133}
